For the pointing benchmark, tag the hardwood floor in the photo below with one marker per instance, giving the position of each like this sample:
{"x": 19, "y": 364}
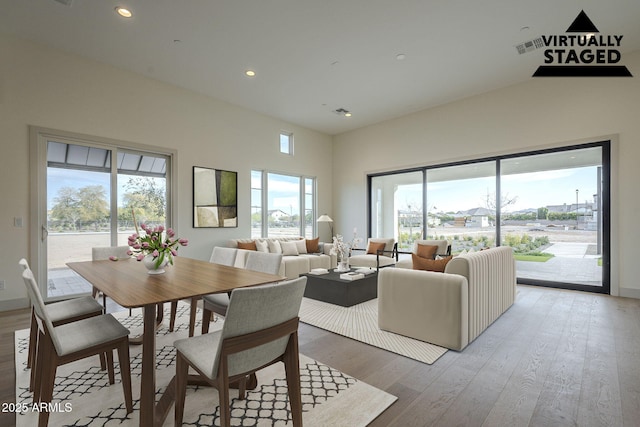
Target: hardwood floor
{"x": 556, "y": 358}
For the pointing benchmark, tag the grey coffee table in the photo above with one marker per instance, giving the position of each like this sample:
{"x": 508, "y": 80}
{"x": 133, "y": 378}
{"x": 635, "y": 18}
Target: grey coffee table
{"x": 330, "y": 288}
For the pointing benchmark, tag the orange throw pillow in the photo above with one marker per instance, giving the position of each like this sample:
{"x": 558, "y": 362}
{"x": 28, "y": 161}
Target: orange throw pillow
{"x": 312, "y": 245}
{"x": 427, "y": 251}
{"x": 374, "y": 247}
{"x": 251, "y": 246}
{"x": 430, "y": 264}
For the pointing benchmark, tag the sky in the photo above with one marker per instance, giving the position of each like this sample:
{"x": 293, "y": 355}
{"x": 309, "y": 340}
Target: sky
{"x": 531, "y": 190}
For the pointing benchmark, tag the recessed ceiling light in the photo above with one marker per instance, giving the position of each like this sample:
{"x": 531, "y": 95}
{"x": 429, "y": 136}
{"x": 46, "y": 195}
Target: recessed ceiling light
{"x": 124, "y": 12}
{"x": 250, "y": 73}
{"x": 401, "y": 56}
{"x": 347, "y": 114}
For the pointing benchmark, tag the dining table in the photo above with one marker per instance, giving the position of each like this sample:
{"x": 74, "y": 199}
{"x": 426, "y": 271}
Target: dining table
{"x": 128, "y": 283}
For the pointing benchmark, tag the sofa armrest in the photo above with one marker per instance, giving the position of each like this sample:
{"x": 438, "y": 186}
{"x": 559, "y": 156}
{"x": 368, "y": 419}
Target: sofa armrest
{"x": 424, "y": 305}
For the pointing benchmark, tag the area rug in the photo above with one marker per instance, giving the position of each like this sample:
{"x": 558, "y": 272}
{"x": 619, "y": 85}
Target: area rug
{"x": 83, "y": 397}
{"x": 360, "y": 322}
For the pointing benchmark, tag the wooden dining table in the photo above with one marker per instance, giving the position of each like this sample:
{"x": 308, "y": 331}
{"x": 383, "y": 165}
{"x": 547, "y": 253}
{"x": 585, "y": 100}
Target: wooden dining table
{"x": 128, "y": 284}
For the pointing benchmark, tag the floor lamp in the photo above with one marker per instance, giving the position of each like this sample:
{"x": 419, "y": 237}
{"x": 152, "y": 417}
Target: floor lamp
{"x": 326, "y": 218}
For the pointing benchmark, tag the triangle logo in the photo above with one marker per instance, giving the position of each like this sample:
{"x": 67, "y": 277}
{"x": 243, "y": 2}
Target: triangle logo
{"x": 582, "y": 55}
{"x": 582, "y": 24}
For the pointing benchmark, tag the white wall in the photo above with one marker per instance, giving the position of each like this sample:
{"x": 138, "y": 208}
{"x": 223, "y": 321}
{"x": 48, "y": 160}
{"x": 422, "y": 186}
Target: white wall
{"x": 44, "y": 87}
{"x": 541, "y": 112}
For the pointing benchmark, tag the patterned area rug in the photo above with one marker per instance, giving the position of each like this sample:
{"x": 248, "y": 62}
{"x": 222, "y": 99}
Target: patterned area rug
{"x": 83, "y": 397}
{"x": 360, "y": 322}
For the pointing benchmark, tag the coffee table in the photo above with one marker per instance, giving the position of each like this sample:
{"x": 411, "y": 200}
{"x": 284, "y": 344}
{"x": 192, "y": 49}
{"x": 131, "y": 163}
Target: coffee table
{"x": 334, "y": 290}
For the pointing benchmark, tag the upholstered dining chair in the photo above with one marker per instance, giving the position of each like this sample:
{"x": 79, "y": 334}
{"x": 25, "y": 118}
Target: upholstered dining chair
{"x": 59, "y": 345}
{"x": 60, "y": 312}
{"x": 219, "y": 255}
{"x": 105, "y": 252}
{"x": 260, "y": 329}
{"x": 256, "y": 261}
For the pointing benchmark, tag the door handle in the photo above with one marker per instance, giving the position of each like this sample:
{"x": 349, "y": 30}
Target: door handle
{"x": 45, "y": 233}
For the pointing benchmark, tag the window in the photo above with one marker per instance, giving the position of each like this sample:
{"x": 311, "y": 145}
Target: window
{"x": 551, "y": 206}
{"x": 91, "y": 190}
{"x": 289, "y": 201}
{"x": 286, "y": 143}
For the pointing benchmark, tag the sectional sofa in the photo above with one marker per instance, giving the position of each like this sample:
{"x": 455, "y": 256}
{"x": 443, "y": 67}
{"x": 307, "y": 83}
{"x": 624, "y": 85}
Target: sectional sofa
{"x": 296, "y": 258}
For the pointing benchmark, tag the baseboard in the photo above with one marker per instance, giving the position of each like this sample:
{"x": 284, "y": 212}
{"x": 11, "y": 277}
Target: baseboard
{"x": 630, "y": 293}
{"x": 14, "y": 304}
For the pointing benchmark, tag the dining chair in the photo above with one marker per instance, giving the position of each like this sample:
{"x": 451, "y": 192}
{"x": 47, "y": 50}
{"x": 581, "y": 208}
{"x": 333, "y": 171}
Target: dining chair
{"x": 60, "y": 312}
{"x": 217, "y": 303}
{"x": 219, "y": 255}
{"x": 260, "y": 329}
{"x": 100, "y": 253}
{"x": 59, "y": 345}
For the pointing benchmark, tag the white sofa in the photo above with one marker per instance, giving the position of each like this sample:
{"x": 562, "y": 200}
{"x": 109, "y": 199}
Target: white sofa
{"x": 293, "y": 265}
{"x": 448, "y": 309}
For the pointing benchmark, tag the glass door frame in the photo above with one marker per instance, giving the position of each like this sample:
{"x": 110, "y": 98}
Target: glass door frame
{"x": 38, "y": 139}
{"x": 604, "y": 145}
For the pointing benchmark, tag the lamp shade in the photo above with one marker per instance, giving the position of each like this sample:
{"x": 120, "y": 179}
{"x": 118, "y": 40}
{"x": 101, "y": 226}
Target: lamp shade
{"x": 324, "y": 218}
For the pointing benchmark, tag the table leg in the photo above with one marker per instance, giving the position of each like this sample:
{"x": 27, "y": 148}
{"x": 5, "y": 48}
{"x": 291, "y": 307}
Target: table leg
{"x": 148, "y": 383}
{"x": 137, "y": 340}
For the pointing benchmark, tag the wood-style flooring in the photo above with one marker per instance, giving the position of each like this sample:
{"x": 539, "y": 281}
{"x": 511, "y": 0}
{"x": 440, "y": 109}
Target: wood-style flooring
{"x": 556, "y": 358}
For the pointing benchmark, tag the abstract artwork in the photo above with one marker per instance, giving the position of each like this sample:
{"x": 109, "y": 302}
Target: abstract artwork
{"x": 215, "y": 198}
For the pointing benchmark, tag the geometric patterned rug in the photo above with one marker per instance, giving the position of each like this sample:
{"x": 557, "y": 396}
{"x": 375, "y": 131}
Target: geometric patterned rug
{"x": 83, "y": 396}
{"x": 360, "y": 322}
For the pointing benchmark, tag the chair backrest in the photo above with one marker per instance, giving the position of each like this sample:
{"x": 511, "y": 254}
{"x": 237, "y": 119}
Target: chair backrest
{"x": 44, "y": 322}
{"x": 104, "y": 252}
{"x": 223, "y": 256}
{"x": 263, "y": 262}
{"x": 255, "y": 309}
{"x": 388, "y": 244}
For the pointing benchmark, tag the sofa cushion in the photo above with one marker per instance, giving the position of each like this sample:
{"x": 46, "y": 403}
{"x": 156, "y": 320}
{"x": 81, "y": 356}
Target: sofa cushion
{"x": 374, "y": 247}
{"x": 426, "y": 251}
{"x": 312, "y": 245}
{"x": 262, "y": 246}
{"x": 301, "y": 246}
{"x": 289, "y": 248}
{"x": 250, "y": 246}
{"x": 438, "y": 265}
{"x": 274, "y": 247}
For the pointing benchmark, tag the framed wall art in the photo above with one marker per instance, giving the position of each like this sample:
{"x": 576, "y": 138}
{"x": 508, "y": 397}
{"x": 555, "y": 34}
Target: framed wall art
{"x": 215, "y": 198}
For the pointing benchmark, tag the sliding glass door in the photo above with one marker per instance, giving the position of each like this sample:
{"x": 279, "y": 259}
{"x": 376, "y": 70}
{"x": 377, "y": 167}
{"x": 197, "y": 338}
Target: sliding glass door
{"x": 551, "y": 206}
{"x": 91, "y": 193}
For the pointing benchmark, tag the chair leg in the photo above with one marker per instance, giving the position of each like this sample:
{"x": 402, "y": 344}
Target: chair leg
{"x": 192, "y": 316}
{"x": 110, "y": 370}
{"x": 125, "y": 374}
{"x": 223, "y": 392}
{"x": 182, "y": 370}
{"x": 33, "y": 338}
{"x": 172, "y": 317}
{"x": 103, "y": 361}
{"x": 206, "y": 318}
{"x": 48, "y": 379}
{"x": 292, "y": 370}
{"x": 36, "y": 373}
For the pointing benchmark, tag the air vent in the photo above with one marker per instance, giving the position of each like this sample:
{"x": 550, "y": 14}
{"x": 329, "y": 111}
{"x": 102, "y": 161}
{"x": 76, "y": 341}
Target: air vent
{"x": 530, "y": 45}
{"x": 64, "y": 2}
{"x": 342, "y": 112}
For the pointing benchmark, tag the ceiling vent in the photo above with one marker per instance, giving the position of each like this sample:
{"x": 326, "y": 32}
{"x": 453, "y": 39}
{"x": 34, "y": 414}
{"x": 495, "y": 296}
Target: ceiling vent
{"x": 64, "y": 2}
{"x": 530, "y": 45}
{"x": 342, "y": 112}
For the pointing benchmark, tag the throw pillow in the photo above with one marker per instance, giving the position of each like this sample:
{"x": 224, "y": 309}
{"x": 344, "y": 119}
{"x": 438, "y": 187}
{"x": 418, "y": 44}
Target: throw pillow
{"x": 250, "y": 246}
{"x": 301, "y": 245}
{"x": 312, "y": 245}
{"x": 274, "y": 247}
{"x": 426, "y": 251}
{"x": 262, "y": 246}
{"x": 289, "y": 248}
{"x": 430, "y": 264}
{"x": 374, "y": 247}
